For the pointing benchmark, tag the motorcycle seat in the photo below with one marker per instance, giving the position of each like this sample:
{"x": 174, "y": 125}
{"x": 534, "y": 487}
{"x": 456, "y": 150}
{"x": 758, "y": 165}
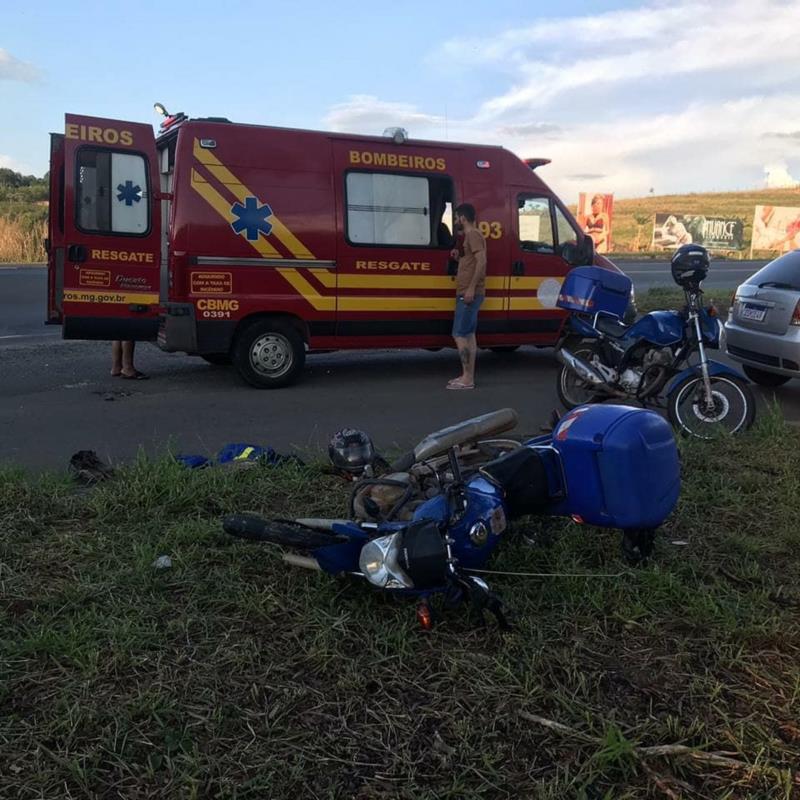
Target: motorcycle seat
{"x": 611, "y": 326}
{"x": 522, "y": 476}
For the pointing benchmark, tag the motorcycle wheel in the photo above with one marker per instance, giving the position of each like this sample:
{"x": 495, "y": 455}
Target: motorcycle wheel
{"x": 277, "y": 531}
{"x": 734, "y": 407}
{"x": 572, "y": 391}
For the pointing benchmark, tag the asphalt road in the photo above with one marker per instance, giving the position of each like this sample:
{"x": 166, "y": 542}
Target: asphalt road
{"x": 723, "y": 274}
{"x": 57, "y": 397}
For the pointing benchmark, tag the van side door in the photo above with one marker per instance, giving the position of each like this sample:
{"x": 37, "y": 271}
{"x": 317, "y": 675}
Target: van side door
{"x": 395, "y": 233}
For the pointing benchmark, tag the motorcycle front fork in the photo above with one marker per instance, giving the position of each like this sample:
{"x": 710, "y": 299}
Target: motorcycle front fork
{"x": 709, "y": 399}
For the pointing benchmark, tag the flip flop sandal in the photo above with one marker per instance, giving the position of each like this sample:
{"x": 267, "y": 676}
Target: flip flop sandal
{"x": 137, "y": 376}
{"x": 456, "y": 385}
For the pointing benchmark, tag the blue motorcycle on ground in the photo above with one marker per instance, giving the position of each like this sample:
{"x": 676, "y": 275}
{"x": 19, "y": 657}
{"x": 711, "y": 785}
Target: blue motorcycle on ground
{"x": 649, "y": 361}
{"x": 430, "y": 525}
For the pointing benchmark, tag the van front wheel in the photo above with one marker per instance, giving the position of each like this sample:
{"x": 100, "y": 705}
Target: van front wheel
{"x": 269, "y": 354}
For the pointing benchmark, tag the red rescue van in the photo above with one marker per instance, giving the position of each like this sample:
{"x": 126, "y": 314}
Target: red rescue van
{"x": 257, "y": 245}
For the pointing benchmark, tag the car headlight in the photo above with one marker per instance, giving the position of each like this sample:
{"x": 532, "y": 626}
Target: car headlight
{"x": 379, "y": 562}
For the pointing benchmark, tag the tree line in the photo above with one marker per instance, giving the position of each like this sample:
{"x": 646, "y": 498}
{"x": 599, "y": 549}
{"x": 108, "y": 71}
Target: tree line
{"x": 18, "y": 188}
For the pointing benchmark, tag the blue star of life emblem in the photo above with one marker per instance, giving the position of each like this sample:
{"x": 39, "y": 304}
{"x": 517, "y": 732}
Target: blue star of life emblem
{"x": 251, "y": 218}
{"x": 128, "y": 193}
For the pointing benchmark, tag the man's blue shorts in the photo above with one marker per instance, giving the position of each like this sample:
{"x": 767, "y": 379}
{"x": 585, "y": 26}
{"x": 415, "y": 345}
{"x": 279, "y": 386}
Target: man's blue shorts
{"x": 465, "y": 321}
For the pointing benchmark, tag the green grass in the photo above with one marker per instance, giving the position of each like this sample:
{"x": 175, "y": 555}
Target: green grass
{"x": 673, "y": 298}
{"x": 234, "y": 676}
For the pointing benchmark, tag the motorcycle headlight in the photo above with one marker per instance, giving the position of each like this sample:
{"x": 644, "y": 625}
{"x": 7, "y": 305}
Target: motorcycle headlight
{"x": 380, "y": 565}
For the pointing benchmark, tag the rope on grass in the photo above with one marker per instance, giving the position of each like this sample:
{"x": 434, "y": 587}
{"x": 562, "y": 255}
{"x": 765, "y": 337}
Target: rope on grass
{"x": 785, "y": 776}
{"x": 548, "y": 574}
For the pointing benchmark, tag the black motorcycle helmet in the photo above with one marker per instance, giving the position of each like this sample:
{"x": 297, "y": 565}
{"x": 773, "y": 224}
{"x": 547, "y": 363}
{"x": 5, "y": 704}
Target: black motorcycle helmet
{"x": 351, "y": 450}
{"x": 690, "y": 265}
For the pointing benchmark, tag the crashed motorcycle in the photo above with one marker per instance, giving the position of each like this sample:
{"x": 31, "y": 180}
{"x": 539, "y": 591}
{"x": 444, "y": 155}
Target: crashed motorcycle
{"x": 609, "y": 466}
{"x": 648, "y": 361}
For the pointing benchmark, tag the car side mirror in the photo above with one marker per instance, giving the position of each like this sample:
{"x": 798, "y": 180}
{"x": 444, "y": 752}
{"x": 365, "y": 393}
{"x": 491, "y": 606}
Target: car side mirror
{"x": 573, "y": 254}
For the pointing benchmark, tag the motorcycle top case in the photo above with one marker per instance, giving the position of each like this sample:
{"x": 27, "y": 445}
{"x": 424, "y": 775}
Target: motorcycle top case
{"x": 589, "y": 290}
{"x": 620, "y": 464}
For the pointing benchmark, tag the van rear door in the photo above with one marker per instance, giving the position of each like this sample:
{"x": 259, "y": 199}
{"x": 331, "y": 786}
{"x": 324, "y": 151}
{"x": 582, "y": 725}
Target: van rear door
{"x": 55, "y": 231}
{"x": 112, "y": 230}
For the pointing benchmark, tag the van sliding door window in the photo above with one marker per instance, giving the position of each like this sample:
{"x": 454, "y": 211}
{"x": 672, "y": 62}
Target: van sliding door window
{"x": 112, "y": 193}
{"x": 403, "y": 210}
{"x": 535, "y": 225}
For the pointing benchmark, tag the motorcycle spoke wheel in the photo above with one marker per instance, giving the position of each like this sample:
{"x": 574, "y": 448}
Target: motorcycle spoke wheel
{"x": 731, "y": 410}
{"x": 572, "y": 390}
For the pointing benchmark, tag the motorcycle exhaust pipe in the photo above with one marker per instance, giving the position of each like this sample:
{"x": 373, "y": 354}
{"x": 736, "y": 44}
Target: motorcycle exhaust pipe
{"x": 586, "y": 372}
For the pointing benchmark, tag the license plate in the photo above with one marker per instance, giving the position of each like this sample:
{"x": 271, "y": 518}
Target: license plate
{"x": 754, "y": 313}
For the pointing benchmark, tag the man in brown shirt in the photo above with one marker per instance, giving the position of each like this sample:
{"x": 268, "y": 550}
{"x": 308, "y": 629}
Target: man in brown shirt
{"x": 470, "y": 289}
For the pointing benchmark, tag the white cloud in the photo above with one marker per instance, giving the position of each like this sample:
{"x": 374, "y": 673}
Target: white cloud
{"x": 367, "y": 114}
{"x": 720, "y": 74}
{"x": 777, "y": 176}
{"x": 11, "y": 163}
{"x": 754, "y": 38}
{"x": 12, "y": 69}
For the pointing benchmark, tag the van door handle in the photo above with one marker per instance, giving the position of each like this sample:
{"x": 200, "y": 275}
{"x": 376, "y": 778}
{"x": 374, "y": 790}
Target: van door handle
{"x": 518, "y": 268}
{"x": 77, "y": 253}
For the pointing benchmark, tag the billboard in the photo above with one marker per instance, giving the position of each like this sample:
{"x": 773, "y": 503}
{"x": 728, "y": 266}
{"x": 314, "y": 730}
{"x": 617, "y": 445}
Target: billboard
{"x": 670, "y": 231}
{"x": 776, "y": 228}
{"x": 595, "y": 213}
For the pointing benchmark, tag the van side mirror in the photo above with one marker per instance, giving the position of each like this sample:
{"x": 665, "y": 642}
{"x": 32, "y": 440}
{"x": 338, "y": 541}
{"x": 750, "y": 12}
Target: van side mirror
{"x": 578, "y": 254}
{"x": 586, "y": 247}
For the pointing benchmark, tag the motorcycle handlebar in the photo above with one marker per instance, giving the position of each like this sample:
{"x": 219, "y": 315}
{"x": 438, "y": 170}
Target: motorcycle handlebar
{"x": 244, "y": 526}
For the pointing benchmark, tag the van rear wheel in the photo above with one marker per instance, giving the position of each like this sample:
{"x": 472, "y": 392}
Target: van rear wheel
{"x": 269, "y": 354}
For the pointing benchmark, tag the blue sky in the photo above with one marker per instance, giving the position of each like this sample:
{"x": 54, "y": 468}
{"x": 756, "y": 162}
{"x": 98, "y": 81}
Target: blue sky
{"x": 689, "y": 95}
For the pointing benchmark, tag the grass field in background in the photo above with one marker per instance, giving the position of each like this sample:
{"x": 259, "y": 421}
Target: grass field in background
{"x": 232, "y": 675}
{"x": 23, "y": 226}
{"x": 659, "y": 298}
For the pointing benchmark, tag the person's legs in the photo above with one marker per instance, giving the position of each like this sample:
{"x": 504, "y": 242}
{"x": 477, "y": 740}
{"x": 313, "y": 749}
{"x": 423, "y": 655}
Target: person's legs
{"x": 465, "y": 323}
{"x": 116, "y": 359}
{"x": 127, "y": 358}
{"x": 467, "y": 348}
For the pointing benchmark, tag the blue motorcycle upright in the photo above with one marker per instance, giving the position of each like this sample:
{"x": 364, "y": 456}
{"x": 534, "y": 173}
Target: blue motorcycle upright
{"x": 649, "y": 361}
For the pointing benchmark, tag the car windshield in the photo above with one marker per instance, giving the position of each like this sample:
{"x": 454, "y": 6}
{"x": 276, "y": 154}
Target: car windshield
{"x": 782, "y": 273}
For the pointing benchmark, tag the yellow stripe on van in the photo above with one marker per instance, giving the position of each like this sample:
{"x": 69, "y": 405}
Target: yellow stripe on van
{"x": 109, "y": 296}
{"x": 331, "y": 280}
{"x": 228, "y": 179}
{"x": 223, "y": 208}
{"x": 526, "y": 304}
{"x": 411, "y": 304}
{"x": 307, "y": 291}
